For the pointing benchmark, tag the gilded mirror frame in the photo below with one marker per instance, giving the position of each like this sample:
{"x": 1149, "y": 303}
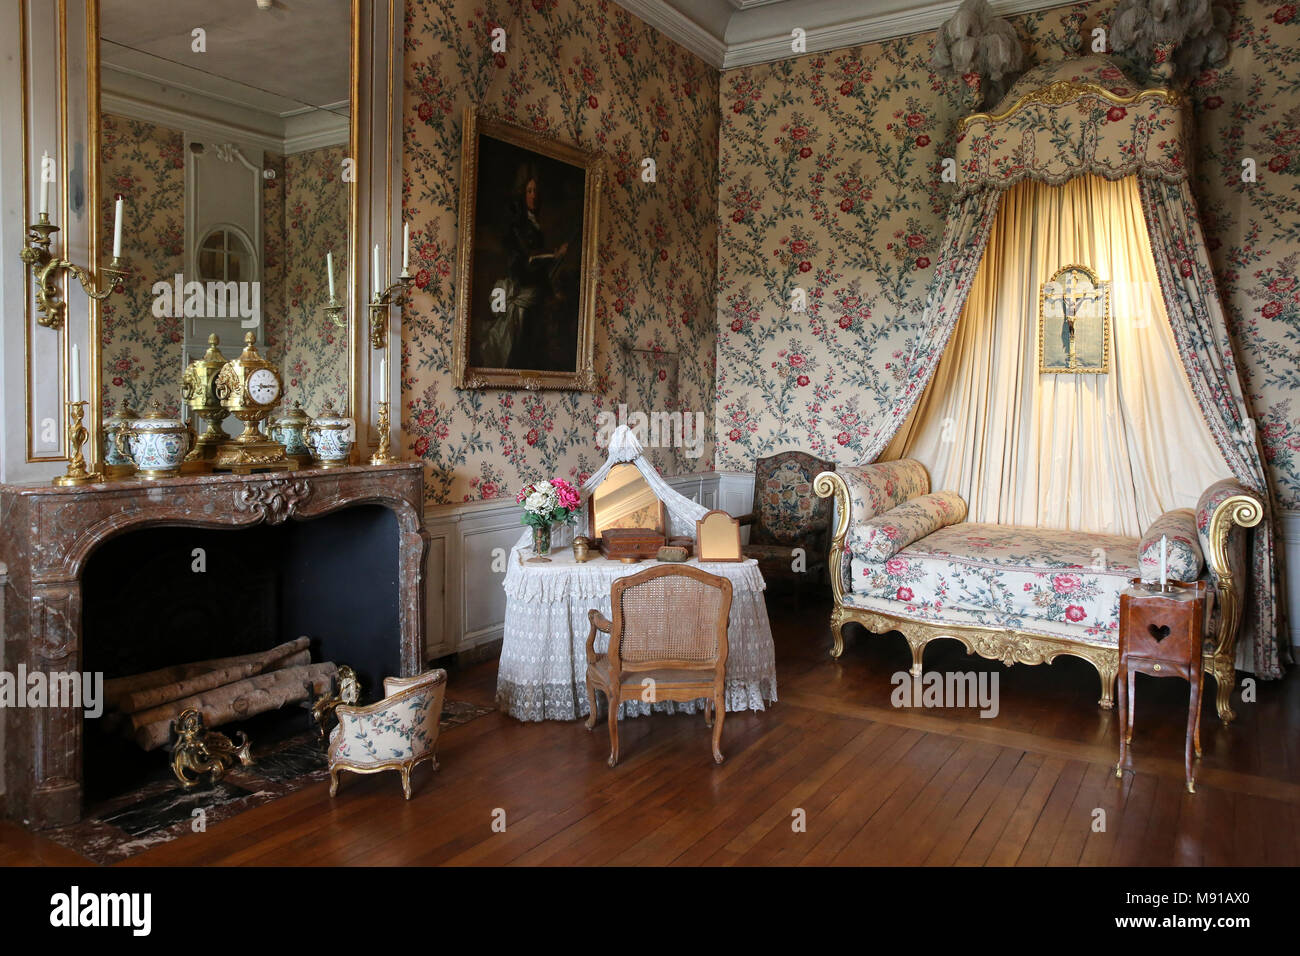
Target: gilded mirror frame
{"x": 372, "y": 21}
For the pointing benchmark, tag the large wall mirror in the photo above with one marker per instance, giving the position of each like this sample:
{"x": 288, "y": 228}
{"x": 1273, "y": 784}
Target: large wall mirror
{"x": 227, "y": 130}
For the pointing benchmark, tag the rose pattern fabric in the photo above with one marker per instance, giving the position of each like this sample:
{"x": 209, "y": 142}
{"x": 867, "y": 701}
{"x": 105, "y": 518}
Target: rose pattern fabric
{"x": 874, "y": 489}
{"x": 888, "y": 533}
{"x": 1239, "y": 558}
{"x": 1184, "y": 560}
{"x": 1059, "y": 582}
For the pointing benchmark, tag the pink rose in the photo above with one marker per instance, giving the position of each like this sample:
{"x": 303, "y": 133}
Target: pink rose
{"x": 1066, "y": 583}
{"x": 904, "y": 594}
{"x": 895, "y": 566}
{"x": 1074, "y": 613}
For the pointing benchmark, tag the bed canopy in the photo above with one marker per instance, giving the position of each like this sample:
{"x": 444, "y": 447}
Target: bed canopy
{"x": 1079, "y": 165}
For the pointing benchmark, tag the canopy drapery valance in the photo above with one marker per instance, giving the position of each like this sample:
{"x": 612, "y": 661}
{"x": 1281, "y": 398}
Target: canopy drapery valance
{"x": 1081, "y": 117}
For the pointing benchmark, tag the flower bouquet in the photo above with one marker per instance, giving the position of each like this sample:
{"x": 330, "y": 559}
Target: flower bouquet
{"x": 547, "y": 503}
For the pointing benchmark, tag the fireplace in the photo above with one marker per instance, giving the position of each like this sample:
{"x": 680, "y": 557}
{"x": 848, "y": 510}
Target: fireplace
{"x": 133, "y": 575}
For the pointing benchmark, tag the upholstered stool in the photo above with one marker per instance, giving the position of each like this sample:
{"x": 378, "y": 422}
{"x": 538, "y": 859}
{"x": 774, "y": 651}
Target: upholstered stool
{"x": 1160, "y": 633}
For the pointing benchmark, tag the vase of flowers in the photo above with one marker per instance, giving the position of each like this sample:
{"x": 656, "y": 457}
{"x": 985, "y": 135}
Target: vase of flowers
{"x": 546, "y": 504}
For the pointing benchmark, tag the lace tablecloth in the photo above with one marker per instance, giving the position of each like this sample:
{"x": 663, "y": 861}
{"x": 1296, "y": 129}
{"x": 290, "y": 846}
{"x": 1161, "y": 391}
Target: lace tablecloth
{"x": 543, "y": 668}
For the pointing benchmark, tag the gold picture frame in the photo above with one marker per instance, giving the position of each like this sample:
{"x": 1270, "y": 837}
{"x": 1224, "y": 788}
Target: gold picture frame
{"x": 1078, "y": 343}
{"x": 532, "y": 300}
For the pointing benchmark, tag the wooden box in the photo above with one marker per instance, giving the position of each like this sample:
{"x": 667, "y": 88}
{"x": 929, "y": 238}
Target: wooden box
{"x": 620, "y": 543}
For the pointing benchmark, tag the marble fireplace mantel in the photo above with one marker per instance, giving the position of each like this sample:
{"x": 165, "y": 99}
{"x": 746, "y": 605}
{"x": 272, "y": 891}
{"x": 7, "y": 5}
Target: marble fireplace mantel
{"x": 50, "y": 532}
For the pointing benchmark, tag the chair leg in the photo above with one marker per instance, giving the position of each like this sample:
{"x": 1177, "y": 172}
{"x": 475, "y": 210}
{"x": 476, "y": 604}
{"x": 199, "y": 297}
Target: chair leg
{"x": 720, "y": 705}
{"x": 1123, "y": 718}
{"x": 612, "y": 698}
{"x": 708, "y": 712}
{"x": 591, "y": 704}
{"x": 406, "y": 780}
{"x": 334, "y": 781}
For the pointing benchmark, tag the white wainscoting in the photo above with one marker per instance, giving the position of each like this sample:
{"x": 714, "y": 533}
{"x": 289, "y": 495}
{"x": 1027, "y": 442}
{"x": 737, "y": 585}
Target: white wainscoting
{"x": 467, "y": 548}
{"x": 1289, "y": 531}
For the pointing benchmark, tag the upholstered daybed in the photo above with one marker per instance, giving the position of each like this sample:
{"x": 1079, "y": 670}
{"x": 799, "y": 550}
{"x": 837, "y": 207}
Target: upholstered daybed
{"x": 1020, "y": 595}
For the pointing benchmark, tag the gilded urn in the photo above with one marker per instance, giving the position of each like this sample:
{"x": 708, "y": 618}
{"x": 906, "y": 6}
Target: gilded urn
{"x": 156, "y": 443}
{"x": 330, "y": 437}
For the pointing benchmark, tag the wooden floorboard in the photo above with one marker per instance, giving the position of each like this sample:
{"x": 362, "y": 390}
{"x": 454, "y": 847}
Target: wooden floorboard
{"x": 831, "y": 774}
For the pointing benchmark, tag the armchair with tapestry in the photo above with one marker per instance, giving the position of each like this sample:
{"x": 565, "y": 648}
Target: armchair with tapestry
{"x": 787, "y": 514}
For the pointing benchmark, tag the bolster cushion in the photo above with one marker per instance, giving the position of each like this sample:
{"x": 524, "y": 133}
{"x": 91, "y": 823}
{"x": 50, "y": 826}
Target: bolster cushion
{"x": 1185, "y": 560}
{"x": 882, "y": 537}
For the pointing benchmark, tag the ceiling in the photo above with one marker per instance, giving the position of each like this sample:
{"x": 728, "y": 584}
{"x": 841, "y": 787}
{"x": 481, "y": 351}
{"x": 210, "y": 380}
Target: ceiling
{"x": 729, "y": 33}
{"x": 292, "y": 56}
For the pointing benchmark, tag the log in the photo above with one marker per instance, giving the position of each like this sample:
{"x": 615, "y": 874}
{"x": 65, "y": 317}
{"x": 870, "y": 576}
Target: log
{"x": 242, "y": 699}
{"x": 139, "y": 700}
{"x": 117, "y": 688}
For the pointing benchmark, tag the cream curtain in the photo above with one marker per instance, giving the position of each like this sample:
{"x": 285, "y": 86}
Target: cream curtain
{"x": 1100, "y": 453}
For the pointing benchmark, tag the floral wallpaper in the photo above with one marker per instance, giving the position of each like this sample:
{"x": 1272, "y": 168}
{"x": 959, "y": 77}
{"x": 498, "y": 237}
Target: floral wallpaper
{"x": 142, "y": 355}
{"x": 304, "y": 215}
{"x": 830, "y": 189}
{"x": 589, "y": 74}
{"x": 311, "y": 202}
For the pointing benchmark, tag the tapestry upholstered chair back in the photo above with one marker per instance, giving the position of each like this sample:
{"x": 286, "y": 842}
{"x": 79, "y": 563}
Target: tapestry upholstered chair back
{"x": 667, "y": 639}
{"x": 787, "y": 514}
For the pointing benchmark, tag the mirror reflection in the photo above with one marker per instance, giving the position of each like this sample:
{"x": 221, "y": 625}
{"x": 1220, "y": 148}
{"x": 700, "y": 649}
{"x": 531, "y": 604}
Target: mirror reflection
{"x": 225, "y": 135}
{"x": 625, "y": 500}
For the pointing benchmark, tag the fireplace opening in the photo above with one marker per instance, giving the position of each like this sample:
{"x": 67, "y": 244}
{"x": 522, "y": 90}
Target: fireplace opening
{"x": 164, "y": 596}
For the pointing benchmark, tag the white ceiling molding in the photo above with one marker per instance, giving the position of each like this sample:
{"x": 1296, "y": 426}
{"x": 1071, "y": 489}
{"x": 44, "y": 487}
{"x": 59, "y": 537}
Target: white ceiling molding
{"x": 767, "y": 24}
{"x": 675, "y": 25}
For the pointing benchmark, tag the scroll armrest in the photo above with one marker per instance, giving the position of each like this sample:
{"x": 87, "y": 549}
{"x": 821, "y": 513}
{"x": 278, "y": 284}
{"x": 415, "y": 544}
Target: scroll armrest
{"x": 1227, "y": 505}
{"x": 598, "y": 623}
{"x": 745, "y": 519}
{"x": 826, "y": 485}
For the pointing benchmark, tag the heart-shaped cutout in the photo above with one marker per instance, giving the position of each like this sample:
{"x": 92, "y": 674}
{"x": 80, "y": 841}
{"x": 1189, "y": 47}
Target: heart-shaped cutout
{"x": 1159, "y": 633}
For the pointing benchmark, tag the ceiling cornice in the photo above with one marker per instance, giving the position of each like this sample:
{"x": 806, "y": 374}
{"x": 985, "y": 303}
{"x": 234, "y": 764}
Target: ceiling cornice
{"x": 679, "y": 27}
{"x": 855, "y": 31}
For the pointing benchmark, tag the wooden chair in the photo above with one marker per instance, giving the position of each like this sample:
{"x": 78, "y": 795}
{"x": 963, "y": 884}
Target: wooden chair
{"x": 669, "y": 628}
{"x": 788, "y": 515}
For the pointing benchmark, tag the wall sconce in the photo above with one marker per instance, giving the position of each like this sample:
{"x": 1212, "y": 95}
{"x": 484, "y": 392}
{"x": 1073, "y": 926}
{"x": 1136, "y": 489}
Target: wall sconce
{"x": 395, "y": 294}
{"x": 46, "y": 269}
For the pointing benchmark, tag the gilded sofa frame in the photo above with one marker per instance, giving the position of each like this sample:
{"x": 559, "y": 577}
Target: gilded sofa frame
{"x": 1011, "y": 646}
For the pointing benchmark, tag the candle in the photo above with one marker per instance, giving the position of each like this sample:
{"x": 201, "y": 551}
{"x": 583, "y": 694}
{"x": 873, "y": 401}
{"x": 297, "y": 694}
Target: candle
{"x": 406, "y": 248}
{"x": 117, "y": 229}
{"x": 74, "y": 385}
{"x": 45, "y": 182}
{"x": 383, "y": 377}
{"x": 329, "y": 270}
{"x": 378, "y": 289}
{"x": 1164, "y": 561}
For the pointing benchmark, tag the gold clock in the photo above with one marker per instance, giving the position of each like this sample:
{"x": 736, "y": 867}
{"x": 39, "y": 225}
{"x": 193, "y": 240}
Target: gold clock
{"x": 249, "y": 388}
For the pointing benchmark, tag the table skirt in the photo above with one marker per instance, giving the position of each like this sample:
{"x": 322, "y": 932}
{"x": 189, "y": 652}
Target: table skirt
{"x": 542, "y": 673}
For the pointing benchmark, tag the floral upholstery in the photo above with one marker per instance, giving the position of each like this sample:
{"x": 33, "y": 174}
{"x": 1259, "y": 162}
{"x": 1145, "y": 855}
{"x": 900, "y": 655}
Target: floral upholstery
{"x": 886, "y": 534}
{"x": 785, "y": 509}
{"x": 397, "y": 732}
{"x": 1184, "y": 559}
{"x": 877, "y": 488}
{"x": 1054, "y": 582}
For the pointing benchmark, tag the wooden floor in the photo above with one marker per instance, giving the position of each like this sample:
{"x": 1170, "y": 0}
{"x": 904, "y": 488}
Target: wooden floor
{"x": 875, "y": 784}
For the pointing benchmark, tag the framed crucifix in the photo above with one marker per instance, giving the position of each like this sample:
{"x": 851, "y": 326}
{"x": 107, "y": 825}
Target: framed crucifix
{"x": 1074, "y": 323}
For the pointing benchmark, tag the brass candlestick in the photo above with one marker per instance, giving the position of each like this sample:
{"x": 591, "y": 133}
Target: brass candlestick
{"x": 383, "y": 454}
{"x": 393, "y": 295}
{"x": 45, "y": 267}
{"x": 77, "y": 435}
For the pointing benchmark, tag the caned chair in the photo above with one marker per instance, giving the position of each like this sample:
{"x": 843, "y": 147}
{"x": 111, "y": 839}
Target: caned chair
{"x": 668, "y": 641}
{"x": 395, "y": 733}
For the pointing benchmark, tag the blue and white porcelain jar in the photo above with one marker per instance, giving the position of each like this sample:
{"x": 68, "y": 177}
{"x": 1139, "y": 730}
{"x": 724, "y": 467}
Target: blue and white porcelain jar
{"x": 290, "y": 429}
{"x": 330, "y": 438}
{"x": 157, "y": 444}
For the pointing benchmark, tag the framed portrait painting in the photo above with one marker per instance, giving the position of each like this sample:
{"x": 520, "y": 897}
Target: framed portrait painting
{"x": 1074, "y": 323}
{"x": 526, "y": 264}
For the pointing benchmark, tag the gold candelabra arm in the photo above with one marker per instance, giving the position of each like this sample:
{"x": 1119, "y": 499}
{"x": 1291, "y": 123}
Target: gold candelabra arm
{"x": 334, "y": 309}
{"x": 395, "y": 294}
{"x": 46, "y": 267}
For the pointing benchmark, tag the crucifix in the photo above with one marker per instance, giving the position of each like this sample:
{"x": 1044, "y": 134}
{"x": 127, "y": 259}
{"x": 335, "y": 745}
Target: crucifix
{"x": 1073, "y": 295}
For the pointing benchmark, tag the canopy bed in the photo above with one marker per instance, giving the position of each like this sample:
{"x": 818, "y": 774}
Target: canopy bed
{"x": 1089, "y": 405}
